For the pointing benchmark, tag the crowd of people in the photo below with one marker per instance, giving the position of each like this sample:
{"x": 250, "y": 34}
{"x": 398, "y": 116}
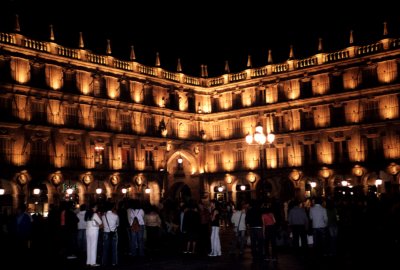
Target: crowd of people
{"x": 102, "y": 232}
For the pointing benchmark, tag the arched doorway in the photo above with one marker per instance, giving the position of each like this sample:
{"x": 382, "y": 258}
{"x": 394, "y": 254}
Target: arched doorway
{"x": 180, "y": 192}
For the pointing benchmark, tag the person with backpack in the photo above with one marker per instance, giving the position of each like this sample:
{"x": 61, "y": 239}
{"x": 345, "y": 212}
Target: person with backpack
{"x": 137, "y": 234}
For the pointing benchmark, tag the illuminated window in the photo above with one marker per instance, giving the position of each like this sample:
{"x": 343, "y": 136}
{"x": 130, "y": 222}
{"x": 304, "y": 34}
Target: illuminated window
{"x": 99, "y": 154}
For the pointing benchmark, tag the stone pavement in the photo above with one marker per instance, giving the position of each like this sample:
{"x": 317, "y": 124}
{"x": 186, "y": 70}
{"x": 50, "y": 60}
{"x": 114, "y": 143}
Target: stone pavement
{"x": 357, "y": 257}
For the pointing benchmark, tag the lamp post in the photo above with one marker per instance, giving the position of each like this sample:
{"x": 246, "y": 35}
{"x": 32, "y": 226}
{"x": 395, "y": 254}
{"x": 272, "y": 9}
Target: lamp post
{"x": 260, "y": 138}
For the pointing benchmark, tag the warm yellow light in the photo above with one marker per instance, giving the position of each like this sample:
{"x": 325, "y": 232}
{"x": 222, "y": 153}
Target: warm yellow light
{"x": 259, "y": 128}
{"x": 358, "y": 170}
{"x": 260, "y": 138}
{"x": 249, "y": 138}
{"x": 180, "y": 160}
{"x": 378, "y": 182}
{"x": 229, "y": 179}
{"x": 325, "y": 172}
{"x": 294, "y": 175}
{"x": 393, "y": 168}
{"x": 271, "y": 137}
{"x": 99, "y": 148}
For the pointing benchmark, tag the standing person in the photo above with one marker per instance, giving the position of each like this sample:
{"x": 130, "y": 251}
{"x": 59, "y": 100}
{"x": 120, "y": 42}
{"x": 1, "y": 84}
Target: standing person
{"x": 254, "y": 223}
{"x": 204, "y": 244}
{"x": 23, "y": 232}
{"x": 69, "y": 229}
{"x": 191, "y": 227}
{"x": 238, "y": 220}
{"x": 215, "y": 223}
{"x": 93, "y": 222}
{"x": 152, "y": 222}
{"x": 270, "y": 233}
{"x": 137, "y": 237}
{"x": 332, "y": 227}
{"x": 81, "y": 236}
{"x": 110, "y": 236}
{"x": 124, "y": 229}
{"x": 298, "y": 223}
{"x": 319, "y": 219}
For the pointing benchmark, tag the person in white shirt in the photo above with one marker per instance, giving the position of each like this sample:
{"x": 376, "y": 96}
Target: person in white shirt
{"x": 110, "y": 236}
{"x": 81, "y": 238}
{"x": 93, "y": 222}
{"x": 238, "y": 220}
{"x": 137, "y": 238}
{"x": 319, "y": 219}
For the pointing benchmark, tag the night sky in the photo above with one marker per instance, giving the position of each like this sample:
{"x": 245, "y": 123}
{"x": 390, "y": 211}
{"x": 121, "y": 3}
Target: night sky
{"x": 202, "y": 32}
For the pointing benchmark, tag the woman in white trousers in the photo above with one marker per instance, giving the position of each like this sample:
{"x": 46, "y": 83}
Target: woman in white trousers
{"x": 93, "y": 222}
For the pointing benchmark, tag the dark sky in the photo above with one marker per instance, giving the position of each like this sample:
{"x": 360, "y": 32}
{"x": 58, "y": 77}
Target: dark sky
{"x": 202, "y": 32}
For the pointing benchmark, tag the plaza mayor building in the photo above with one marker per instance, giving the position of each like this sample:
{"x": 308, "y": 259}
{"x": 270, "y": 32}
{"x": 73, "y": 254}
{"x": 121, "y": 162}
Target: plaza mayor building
{"x": 78, "y": 125}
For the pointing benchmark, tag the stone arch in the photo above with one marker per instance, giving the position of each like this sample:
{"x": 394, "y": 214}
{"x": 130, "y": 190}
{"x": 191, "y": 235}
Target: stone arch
{"x": 180, "y": 191}
{"x": 185, "y": 154}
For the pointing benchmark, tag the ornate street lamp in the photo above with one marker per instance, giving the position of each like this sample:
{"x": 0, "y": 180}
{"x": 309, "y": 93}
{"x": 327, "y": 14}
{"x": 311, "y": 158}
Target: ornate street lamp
{"x": 260, "y": 138}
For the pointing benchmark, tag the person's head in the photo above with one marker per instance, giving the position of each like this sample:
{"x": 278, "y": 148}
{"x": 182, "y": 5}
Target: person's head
{"x": 82, "y": 207}
{"x": 318, "y": 200}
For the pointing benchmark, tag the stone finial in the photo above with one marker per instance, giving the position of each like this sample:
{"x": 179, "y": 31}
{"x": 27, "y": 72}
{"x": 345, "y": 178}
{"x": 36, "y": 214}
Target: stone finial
{"x": 385, "y": 30}
{"x": 249, "y": 61}
{"x": 158, "y": 63}
{"x": 205, "y": 71}
{"x": 291, "y": 53}
{"x": 17, "y": 27}
{"x": 226, "y": 68}
{"x": 81, "y": 44}
{"x": 320, "y": 45}
{"x": 51, "y": 32}
{"x": 351, "y": 37}
{"x": 179, "y": 66}
{"x": 202, "y": 71}
{"x": 269, "y": 61}
{"x": 108, "y": 51}
{"x": 132, "y": 56}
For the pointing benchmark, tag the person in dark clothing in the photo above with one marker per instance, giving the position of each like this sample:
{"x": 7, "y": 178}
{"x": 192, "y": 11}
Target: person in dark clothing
{"x": 23, "y": 232}
{"x": 255, "y": 224}
{"x": 191, "y": 227}
{"x": 298, "y": 223}
{"x": 69, "y": 229}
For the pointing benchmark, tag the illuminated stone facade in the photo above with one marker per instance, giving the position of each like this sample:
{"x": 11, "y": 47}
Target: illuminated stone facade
{"x": 73, "y": 118}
